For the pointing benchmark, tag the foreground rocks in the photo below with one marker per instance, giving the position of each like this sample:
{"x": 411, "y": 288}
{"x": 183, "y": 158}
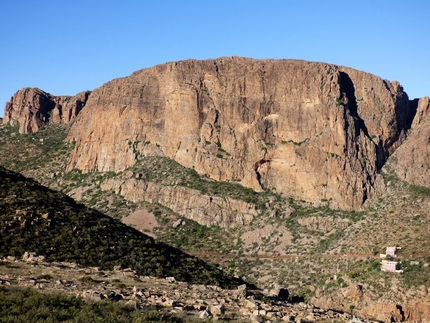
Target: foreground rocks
{"x": 123, "y": 285}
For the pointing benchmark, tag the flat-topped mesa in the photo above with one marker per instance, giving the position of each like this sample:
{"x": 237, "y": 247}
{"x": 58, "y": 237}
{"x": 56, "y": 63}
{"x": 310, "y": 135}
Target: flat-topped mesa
{"x": 312, "y": 130}
{"x": 32, "y": 108}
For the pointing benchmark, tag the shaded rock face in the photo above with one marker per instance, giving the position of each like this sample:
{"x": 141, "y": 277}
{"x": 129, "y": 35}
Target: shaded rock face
{"x": 32, "y": 108}
{"x": 311, "y": 130}
{"x": 411, "y": 161}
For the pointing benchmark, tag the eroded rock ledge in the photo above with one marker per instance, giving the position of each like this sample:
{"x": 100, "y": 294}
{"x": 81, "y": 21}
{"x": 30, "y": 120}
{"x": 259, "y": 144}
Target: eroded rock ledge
{"x": 190, "y": 203}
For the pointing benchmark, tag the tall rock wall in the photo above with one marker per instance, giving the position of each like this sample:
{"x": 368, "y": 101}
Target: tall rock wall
{"x": 311, "y": 130}
{"x": 189, "y": 203}
{"x": 32, "y": 108}
{"x": 411, "y": 161}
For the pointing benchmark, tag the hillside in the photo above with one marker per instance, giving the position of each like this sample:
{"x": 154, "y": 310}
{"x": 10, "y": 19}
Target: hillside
{"x": 282, "y": 172}
{"x": 287, "y": 241}
{"x": 37, "y": 219}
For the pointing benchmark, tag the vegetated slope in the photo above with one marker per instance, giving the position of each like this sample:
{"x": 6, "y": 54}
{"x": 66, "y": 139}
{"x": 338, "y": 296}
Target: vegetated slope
{"x": 320, "y": 239}
{"x": 30, "y": 306}
{"x": 35, "y": 218}
{"x": 37, "y": 155}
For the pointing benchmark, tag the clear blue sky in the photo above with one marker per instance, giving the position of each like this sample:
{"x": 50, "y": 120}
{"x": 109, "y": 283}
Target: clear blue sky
{"x": 64, "y": 47}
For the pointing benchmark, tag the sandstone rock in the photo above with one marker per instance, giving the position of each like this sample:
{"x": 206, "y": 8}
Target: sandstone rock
{"x": 299, "y": 317}
{"x": 411, "y": 161}
{"x": 310, "y": 318}
{"x": 217, "y": 310}
{"x": 255, "y": 317}
{"x": 423, "y": 109}
{"x": 33, "y": 257}
{"x": 132, "y": 304}
{"x": 32, "y": 108}
{"x": 204, "y": 314}
{"x": 382, "y": 312}
{"x": 245, "y": 311}
{"x": 313, "y": 130}
{"x": 190, "y": 203}
{"x": 170, "y": 279}
{"x": 356, "y": 320}
{"x": 86, "y": 295}
{"x": 242, "y": 290}
{"x": 280, "y": 292}
{"x": 418, "y": 310}
{"x": 92, "y": 295}
{"x": 251, "y": 305}
{"x": 177, "y": 223}
{"x": 354, "y": 292}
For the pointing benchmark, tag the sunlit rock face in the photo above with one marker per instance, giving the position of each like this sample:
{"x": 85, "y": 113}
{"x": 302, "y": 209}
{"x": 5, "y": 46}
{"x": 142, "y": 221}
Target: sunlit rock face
{"x": 33, "y": 108}
{"x": 411, "y": 161}
{"x": 312, "y": 130}
{"x": 315, "y": 131}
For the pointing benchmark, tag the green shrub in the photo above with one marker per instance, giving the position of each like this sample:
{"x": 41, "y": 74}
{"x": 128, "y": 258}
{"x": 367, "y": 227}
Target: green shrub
{"x": 19, "y": 305}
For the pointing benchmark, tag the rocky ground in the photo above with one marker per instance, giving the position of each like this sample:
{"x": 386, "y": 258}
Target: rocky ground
{"x": 166, "y": 295}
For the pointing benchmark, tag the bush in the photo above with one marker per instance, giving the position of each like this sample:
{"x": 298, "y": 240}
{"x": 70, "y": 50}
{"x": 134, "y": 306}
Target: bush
{"x": 18, "y": 305}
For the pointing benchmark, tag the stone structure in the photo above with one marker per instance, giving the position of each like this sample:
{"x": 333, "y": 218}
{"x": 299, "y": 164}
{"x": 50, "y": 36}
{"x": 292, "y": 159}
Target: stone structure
{"x": 390, "y": 266}
{"x": 391, "y": 251}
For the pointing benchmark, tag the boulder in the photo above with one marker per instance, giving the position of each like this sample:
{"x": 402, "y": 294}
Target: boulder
{"x": 217, "y": 310}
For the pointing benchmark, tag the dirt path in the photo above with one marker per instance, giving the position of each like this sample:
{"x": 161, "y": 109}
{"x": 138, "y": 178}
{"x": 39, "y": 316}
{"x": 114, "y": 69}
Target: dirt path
{"x": 291, "y": 256}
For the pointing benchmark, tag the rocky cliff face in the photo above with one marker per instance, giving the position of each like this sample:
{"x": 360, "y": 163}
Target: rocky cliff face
{"x": 311, "y": 130}
{"x": 411, "y": 161}
{"x": 394, "y": 308}
{"x": 189, "y": 203}
{"x": 32, "y": 108}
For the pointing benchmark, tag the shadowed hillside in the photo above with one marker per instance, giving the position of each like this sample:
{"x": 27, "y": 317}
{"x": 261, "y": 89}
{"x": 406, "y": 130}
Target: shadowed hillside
{"x": 35, "y": 218}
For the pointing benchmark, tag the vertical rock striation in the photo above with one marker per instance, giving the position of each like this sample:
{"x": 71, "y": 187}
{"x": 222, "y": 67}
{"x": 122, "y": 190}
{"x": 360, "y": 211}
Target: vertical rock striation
{"x": 312, "y": 130}
{"x": 411, "y": 161}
